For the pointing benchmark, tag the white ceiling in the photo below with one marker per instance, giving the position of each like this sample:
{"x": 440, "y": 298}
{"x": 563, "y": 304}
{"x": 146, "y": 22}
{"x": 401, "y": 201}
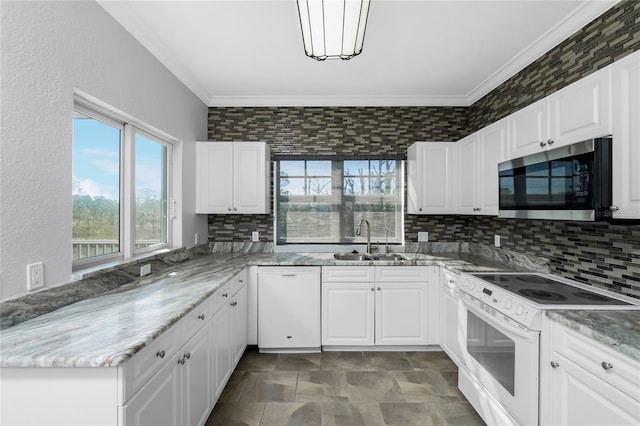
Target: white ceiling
{"x": 420, "y": 52}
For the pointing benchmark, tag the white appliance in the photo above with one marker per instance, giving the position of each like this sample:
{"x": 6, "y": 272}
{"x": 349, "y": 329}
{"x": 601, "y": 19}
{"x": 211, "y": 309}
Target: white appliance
{"x": 501, "y": 319}
{"x": 289, "y": 309}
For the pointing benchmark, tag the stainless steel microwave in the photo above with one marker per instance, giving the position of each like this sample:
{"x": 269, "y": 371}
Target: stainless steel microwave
{"x": 567, "y": 183}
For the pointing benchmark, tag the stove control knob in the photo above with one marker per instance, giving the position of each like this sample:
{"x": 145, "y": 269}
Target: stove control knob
{"x": 508, "y": 303}
{"x": 519, "y": 310}
{"x": 472, "y": 285}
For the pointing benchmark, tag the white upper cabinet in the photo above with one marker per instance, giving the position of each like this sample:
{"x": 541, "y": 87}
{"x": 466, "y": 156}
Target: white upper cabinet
{"x": 626, "y": 138}
{"x": 478, "y": 156}
{"x": 429, "y": 178}
{"x": 577, "y": 112}
{"x": 233, "y": 177}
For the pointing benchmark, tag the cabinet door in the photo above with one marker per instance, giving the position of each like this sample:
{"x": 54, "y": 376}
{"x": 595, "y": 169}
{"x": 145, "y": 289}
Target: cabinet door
{"x": 401, "y": 314}
{"x": 449, "y": 321}
{"x": 492, "y": 149}
{"x": 580, "y": 398}
{"x": 528, "y": 128}
{"x": 214, "y": 177}
{"x": 158, "y": 402}
{"x": 251, "y": 178}
{"x": 430, "y": 178}
{"x": 221, "y": 349}
{"x": 467, "y": 157}
{"x": 288, "y": 308}
{"x": 239, "y": 324}
{"x": 626, "y": 143}
{"x": 348, "y": 314}
{"x": 197, "y": 400}
{"x": 581, "y": 110}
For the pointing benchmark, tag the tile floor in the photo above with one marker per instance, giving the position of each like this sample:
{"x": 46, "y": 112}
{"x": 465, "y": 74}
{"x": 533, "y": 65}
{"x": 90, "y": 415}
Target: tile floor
{"x": 344, "y": 388}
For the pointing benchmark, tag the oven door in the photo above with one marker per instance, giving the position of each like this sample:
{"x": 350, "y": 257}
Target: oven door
{"x": 502, "y": 357}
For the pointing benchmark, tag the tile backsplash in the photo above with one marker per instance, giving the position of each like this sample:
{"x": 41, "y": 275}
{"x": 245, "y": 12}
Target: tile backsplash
{"x": 599, "y": 254}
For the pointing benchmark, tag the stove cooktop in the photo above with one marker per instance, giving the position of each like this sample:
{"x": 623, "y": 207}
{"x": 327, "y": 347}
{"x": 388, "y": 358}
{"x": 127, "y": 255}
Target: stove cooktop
{"x": 547, "y": 291}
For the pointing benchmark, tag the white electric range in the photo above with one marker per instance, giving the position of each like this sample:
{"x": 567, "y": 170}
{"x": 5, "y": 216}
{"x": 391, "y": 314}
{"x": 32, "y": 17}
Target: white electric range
{"x": 500, "y": 324}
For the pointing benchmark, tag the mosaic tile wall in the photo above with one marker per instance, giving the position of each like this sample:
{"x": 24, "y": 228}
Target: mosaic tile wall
{"x": 329, "y": 131}
{"x": 598, "y": 254}
{"x": 611, "y": 36}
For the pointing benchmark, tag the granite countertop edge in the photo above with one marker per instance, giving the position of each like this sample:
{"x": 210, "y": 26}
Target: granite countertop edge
{"x": 618, "y": 330}
{"x": 108, "y": 330}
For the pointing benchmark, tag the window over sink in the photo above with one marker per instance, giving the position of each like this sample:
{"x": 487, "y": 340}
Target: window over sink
{"x": 322, "y": 200}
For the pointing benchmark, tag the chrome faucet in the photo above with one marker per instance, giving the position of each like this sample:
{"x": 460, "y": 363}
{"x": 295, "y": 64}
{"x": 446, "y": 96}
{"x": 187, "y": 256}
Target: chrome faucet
{"x": 359, "y": 232}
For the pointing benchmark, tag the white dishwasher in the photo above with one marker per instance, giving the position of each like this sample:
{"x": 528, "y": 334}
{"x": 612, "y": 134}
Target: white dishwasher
{"x": 289, "y": 309}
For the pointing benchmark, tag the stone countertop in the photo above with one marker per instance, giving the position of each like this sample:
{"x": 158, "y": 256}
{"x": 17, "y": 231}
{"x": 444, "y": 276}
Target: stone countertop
{"x": 108, "y": 329}
{"x": 618, "y": 330}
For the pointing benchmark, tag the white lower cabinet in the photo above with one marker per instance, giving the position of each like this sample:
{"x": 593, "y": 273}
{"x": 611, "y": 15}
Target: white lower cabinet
{"x": 449, "y": 317}
{"x": 584, "y": 382}
{"x": 288, "y": 308}
{"x": 180, "y": 394}
{"x": 375, "y": 306}
{"x": 221, "y": 352}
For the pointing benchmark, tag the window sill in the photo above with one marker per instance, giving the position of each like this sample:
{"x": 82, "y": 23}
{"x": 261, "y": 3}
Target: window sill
{"x": 88, "y": 271}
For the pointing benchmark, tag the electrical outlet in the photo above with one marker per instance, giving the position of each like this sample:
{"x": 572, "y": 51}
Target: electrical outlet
{"x": 145, "y": 270}
{"x": 423, "y": 237}
{"x": 255, "y": 236}
{"x": 197, "y": 239}
{"x": 496, "y": 240}
{"x": 35, "y": 275}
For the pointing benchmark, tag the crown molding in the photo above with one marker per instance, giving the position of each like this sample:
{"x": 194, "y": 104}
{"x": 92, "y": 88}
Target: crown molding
{"x": 325, "y": 101}
{"x": 584, "y": 14}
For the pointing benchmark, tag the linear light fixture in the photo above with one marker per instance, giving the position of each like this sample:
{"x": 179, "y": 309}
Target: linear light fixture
{"x": 333, "y": 29}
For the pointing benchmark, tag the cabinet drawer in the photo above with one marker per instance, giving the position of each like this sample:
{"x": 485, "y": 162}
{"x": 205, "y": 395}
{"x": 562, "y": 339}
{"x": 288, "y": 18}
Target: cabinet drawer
{"x": 238, "y": 281}
{"x": 591, "y": 354}
{"x": 347, "y": 274}
{"x": 221, "y": 297}
{"x": 139, "y": 369}
{"x": 195, "y": 319}
{"x": 401, "y": 274}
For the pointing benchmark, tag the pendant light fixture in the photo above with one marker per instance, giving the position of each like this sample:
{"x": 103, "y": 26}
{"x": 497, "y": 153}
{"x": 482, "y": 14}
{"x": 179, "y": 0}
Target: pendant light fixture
{"x": 333, "y": 29}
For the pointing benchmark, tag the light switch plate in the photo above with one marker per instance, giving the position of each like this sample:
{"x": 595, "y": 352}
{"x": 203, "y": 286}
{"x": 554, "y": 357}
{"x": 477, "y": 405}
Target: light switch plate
{"x": 496, "y": 240}
{"x": 35, "y": 276}
{"x": 255, "y": 236}
{"x": 423, "y": 237}
{"x": 145, "y": 270}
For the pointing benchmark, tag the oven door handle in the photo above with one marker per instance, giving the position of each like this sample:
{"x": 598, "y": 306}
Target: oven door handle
{"x": 500, "y": 325}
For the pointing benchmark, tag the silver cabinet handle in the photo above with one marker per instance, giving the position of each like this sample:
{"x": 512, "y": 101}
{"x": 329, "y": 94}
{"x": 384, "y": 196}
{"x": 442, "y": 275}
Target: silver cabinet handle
{"x": 234, "y": 303}
{"x": 181, "y": 361}
{"x": 554, "y": 364}
{"x": 228, "y": 208}
{"x": 420, "y": 209}
{"x": 379, "y": 289}
{"x": 160, "y": 354}
{"x": 225, "y": 294}
{"x": 373, "y": 289}
{"x": 240, "y": 281}
{"x": 187, "y": 355}
{"x": 235, "y": 209}
{"x": 543, "y": 144}
{"x": 550, "y": 142}
{"x": 287, "y": 275}
{"x": 606, "y": 365}
{"x": 289, "y": 337}
{"x": 201, "y": 317}
{"x": 614, "y": 208}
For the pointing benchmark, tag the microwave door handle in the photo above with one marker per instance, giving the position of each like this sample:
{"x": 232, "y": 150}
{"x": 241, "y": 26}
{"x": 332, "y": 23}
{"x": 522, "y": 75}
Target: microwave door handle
{"x": 500, "y": 325}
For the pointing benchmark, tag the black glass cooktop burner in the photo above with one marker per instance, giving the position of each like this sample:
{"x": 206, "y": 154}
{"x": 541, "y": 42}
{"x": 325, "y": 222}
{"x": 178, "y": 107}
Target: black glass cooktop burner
{"x": 547, "y": 291}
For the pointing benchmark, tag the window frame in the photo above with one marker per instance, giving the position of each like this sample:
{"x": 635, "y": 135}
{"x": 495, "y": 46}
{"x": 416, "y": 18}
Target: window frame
{"x": 129, "y": 129}
{"x": 338, "y": 174}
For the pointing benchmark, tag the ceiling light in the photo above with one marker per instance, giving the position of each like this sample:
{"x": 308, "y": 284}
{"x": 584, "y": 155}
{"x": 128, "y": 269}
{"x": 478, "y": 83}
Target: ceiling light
{"x": 333, "y": 29}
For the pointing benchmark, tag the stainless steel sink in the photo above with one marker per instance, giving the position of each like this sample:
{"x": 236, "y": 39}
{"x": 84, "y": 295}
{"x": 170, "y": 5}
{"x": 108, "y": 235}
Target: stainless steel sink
{"x": 393, "y": 257}
{"x": 351, "y": 256}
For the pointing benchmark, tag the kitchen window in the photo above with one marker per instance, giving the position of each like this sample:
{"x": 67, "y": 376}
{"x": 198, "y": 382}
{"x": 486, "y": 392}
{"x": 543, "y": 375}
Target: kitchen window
{"x": 121, "y": 188}
{"x": 322, "y": 201}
